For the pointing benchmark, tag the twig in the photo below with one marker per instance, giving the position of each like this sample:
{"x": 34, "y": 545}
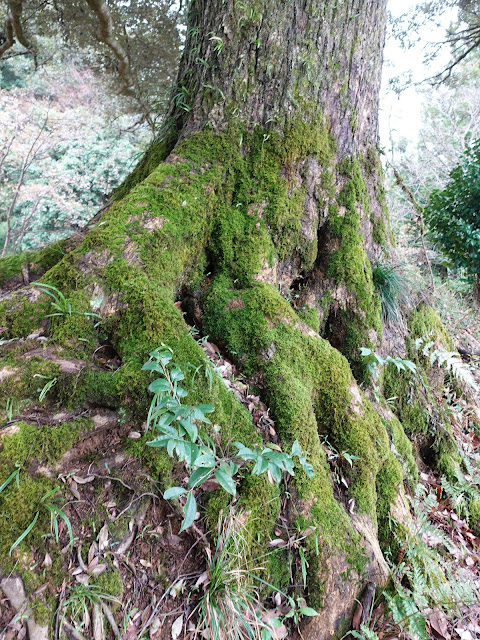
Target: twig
{"x": 109, "y": 616}
{"x": 71, "y": 631}
{"x": 419, "y": 211}
{"x": 8, "y": 36}
{"x": 105, "y": 24}
{"x": 57, "y": 615}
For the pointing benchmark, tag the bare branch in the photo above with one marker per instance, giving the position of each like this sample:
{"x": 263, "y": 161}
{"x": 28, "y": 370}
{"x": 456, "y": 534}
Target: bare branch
{"x": 16, "y": 9}
{"x": 105, "y": 24}
{"x": 29, "y": 158}
{"x": 8, "y": 36}
{"x": 447, "y": 72}
{"x": 419, "y": 211}
{"x": 18, "y": 239}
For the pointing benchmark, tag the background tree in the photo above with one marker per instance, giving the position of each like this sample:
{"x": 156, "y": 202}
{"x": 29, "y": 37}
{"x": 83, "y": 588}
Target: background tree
{"x": 453, "y": 214}
{"x": 450, "y": 125}
{"x": 135, "y": 44}
{"x": 85, "y": 143}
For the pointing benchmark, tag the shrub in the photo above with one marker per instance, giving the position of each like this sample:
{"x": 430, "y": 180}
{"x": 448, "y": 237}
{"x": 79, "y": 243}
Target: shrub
{"x": 453, "y": 214}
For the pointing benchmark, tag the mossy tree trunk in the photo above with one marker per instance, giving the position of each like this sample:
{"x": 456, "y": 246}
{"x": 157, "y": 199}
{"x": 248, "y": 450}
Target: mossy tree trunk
{"x": 256, "y": 217}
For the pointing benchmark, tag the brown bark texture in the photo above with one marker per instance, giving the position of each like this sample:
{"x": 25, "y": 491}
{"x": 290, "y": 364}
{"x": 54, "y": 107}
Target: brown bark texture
{"x": 255, "y": 218}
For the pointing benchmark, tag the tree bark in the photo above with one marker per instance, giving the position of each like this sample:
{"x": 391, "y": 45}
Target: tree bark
{"x": 255, "y": 217}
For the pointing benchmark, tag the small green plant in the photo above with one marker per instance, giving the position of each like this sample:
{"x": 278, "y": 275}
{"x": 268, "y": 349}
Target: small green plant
{"x": 49, "y": 503}
{"x": 230, "y": 607}
{"x": 365, "y": 633}
{"x": 11, "y": 408}
{"x": 50, "y": 382}
{"x": 333, "y": 456}
{"x": 464, "y": 489}
{"x": 423, "y": 579}
{"x": 393, "y": 288}
{"x": 80, "y": 600}
{"x": 60, "y": 303}
{"x": 176, "y": 426}
{"x": 374, "y": 361}
{"x": 217, "y": 42}
{"x": 15, "y": 475}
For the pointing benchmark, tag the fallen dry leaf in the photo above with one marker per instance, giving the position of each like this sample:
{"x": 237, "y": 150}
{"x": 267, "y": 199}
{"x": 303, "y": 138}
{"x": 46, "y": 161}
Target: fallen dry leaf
{"x": 177, "y": 627}
{"x": 439, "y": 623}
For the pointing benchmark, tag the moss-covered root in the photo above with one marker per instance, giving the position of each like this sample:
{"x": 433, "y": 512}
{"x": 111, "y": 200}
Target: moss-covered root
{"x": 311, "y": 390}
{"x": 357, "y": 320}
{"x": 418, "y": 399}
{"x": 22, "y": 268}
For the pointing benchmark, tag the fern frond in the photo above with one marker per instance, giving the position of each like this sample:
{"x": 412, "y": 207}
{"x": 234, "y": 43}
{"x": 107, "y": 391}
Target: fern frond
{"x": 450, "y": 360}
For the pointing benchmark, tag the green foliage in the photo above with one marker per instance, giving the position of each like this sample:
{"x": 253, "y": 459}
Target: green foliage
{"x": 176, "y": 424}
{"x": 84, "y": 148}
{"x": 48, "y": 502}
{"x": 78, "y": 602}
{"x": 463, "y": 489}
{"x": 450, "y": 360}
{"x": 423, "y": 579}
{"x": 350, "y": 265}
{"x": 453, "y": 214}
{"x": 60, "y": 303}
{"x": 373, "y": 361}
{"x": 15, "y": 475}
{"x": 230, "y": 606}
{"x": 392, "y": 287}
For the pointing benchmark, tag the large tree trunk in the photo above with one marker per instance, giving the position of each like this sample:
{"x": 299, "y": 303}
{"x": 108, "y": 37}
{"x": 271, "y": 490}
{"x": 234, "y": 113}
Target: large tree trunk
{"x": 255, "y": 218}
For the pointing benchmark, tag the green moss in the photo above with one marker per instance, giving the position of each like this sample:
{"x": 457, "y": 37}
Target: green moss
{"x": 310, "y": 316}
{"x": 157, "y": 152}
{"x": 408, "y": 397}
{"x": 44, "y": 443}
{"x": 19, "y": 317}
{"x": 18, "y": 508}
{"x": 76, "y": 329}
{"x": 110, "y": 583}
{"x": 389, "y": 481}
{"x": 159, "y": 463}
{"x": 28, "y": 378}
{"x": 308, "y": 386}
{"x": 403, "y": 449}
{"x": 415, "y": 397}
{"x": 30, "y": 374}
{"x": 379, "y": 232}
{"x": 447, "y": 458}
{"x": 37, "y": 262}
{"x": 216, "y": 505}
{"x": 349, "y": 265}
{"x": 474, "y": 516}
{"x": 424, "y": 322}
